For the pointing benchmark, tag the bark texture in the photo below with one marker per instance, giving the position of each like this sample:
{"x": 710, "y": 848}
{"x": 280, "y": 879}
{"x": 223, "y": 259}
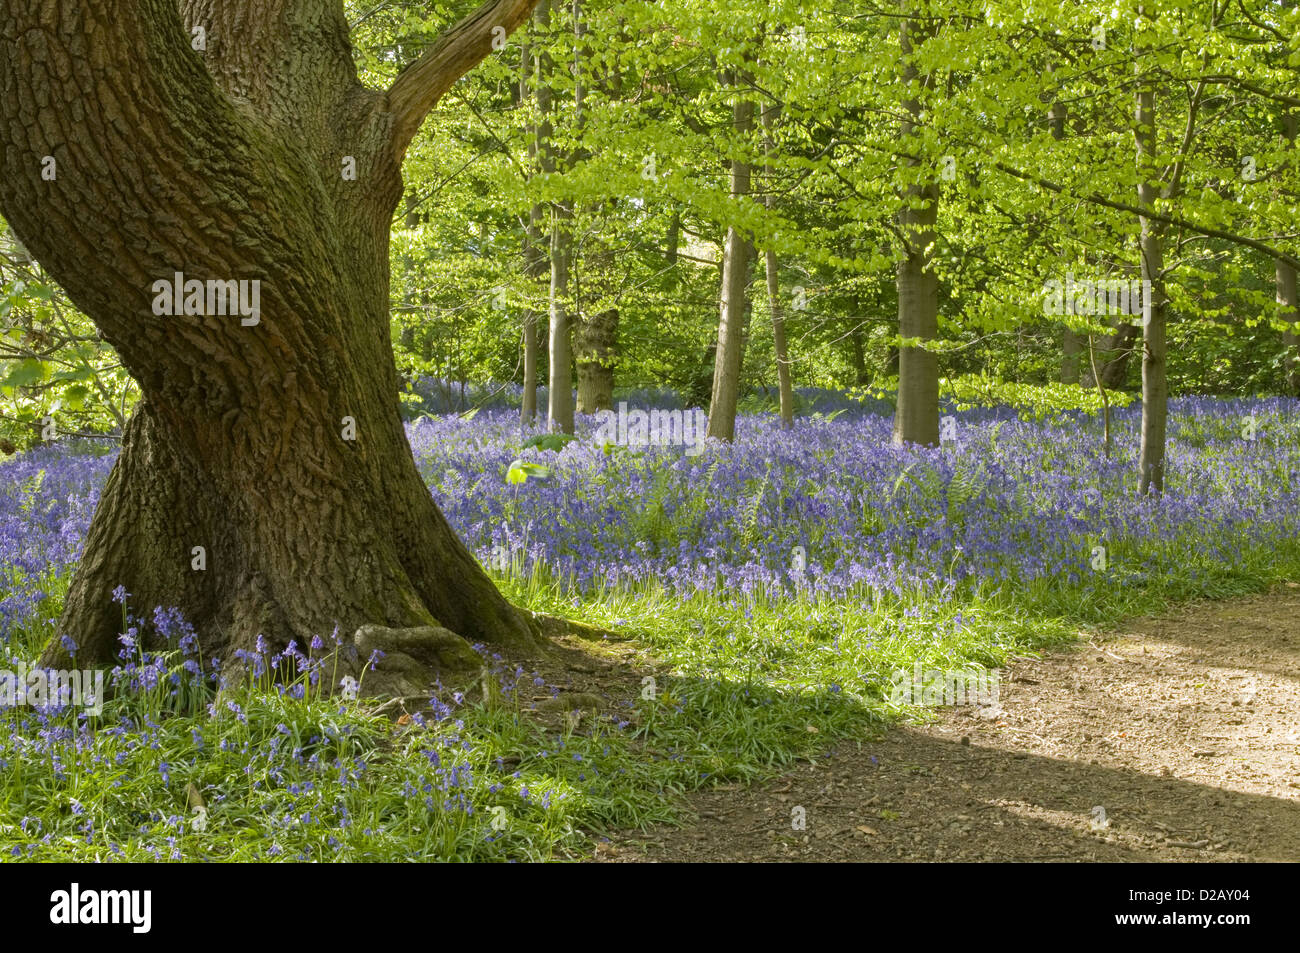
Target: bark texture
{"x": 597, "y": 352}
{"x": 737, "y": 260}
{"x": 277, "y": 447}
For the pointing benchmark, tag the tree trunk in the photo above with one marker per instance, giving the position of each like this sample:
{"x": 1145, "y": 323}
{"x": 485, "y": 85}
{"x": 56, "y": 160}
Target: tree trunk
{"x": 673, "y": 239}
{"x": 1072, "y": 340}
{"x": 240, "y": 443}
{"x": 1071, "y": 356}
{"x": 916, "y": 418}
{"x": 737, "y": 257}
{"x": 773, "y": 286}
{"x": 560, "y": 354}
{"x": 1286, "y": 293}
{"x": 533, "y": 252}
{"x": 597, "y": 353}
{"x": 1155, "y": 390}
{"x": 534, "y": 268}
{"x": 560, "y": 346}
{"x": 1114, "y": 356}
{"x": 1286, "y": 296}
{"x": 784, "y": 383}
{"x": 857, "y": 352}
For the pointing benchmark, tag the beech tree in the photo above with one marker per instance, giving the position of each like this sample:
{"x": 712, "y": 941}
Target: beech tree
{"x": 265, "y": 483}
{"x": 737, "y": 259}
{"x": 917, "y": 417}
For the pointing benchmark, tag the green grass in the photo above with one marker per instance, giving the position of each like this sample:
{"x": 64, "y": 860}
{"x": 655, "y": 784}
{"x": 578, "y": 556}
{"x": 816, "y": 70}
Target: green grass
{"x": 741, "y": 690}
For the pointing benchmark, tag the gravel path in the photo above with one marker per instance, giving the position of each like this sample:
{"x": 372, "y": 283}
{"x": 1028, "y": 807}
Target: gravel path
{"x": 1175, "y": 737}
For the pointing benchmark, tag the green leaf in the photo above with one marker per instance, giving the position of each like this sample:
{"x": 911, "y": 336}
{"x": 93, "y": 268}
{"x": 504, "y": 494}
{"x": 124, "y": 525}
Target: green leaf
{"x": 520, "y": 471}
{"x": 550, "y": 441}
{"x": 74, "y": 398}
{"x": 76, "y": 374}
{"x": 26, "y": 372}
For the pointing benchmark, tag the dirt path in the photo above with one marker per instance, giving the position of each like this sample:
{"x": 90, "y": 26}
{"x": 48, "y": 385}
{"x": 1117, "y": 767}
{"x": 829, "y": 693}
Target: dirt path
{"x": 1184, "y": 728}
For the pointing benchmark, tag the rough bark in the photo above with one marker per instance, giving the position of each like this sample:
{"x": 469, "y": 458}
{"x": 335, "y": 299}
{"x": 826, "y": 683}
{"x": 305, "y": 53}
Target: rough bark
{"x": 227, "y": 165}
{"x": 916, "y": 418}
{"x": 597, "y": 353}
{"x": 737, "y": 260}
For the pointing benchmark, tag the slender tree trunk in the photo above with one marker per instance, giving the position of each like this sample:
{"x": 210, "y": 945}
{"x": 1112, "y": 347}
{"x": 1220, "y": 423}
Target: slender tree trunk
{"x": 534, "y": 255}
{"x": 916, "y": 418}
{"x": 544, "y": 153}
{"x": 1286, "y": 296}
{"x": 534, "y": 268}
{"x": 1155, "y": 390}
{"x": 1286, "y": 293}
{"x": 559, "y": 356}
{"x": 857, "y": 352}
{"x": 1071, "y": 340}
{"x": 269, "y": 438}
{"x": 786, "y": 388}
{"x": 673, "y": 239}
{"x": 737, "y": 258}
{"x": 560, "y": 347}
{"x": 784, "y": 383}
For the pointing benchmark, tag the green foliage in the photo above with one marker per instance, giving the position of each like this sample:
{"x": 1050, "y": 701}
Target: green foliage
{"x": 56, "y": 376}
{"x": 1038, "y": 400}
{"x": 550, "y": 441}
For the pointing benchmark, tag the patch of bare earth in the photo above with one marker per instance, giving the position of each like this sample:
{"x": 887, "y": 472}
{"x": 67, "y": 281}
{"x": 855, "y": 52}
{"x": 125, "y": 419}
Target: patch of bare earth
{"x": 1183, "y": 728}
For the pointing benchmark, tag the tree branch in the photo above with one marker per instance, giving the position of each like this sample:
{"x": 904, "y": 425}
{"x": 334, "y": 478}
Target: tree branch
{"x": 458, "y": 50}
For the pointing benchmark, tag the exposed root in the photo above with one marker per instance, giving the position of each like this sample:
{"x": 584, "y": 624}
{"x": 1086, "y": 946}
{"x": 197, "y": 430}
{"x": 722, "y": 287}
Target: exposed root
{"x": 413, "y": 658}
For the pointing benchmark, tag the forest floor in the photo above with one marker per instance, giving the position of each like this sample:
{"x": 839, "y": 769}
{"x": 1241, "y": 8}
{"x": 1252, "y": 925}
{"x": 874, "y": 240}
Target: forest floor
{"x": 1172, "y": 738}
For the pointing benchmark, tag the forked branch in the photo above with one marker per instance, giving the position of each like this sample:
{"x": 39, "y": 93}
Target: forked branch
{"x": 458, "y": 50}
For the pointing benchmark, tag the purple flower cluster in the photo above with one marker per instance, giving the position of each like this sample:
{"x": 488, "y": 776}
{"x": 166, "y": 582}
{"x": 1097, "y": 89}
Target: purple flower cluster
{"x": 829, "y": 508}
{"x": 832, "y": 508}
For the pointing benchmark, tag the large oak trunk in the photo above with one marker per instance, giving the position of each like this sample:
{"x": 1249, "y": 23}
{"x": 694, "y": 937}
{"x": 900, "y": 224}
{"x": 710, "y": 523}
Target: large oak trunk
{"x": 265, "y": 484}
